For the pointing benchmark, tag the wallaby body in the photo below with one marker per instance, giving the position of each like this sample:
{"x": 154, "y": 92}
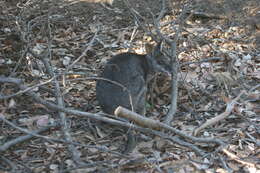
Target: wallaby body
{"x": 132, "y": 71}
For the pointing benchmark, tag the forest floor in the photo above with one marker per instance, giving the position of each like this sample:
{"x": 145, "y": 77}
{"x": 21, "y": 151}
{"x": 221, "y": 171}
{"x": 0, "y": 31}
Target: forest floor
{"x": 219, "y": 53}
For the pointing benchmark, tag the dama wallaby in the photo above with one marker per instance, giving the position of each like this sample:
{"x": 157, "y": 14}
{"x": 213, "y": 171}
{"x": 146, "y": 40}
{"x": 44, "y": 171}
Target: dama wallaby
{"x": 132, "y": 71}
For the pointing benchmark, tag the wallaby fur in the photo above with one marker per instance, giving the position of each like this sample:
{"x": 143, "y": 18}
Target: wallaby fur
{"x": 132, "y": 71}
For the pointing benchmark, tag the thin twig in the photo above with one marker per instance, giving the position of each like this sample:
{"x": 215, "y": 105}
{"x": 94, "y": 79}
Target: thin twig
{"x": 13, "y": 167}
{"x": 26, "y": 90}
{"x": 89, "y": 45}
{"x": 237, "y": 159}
{"x": 202, "y": 60}
{"x": 51, "y": 140}
{"x": 59, "y": 98}
{"x": 175, "y": 67}
{"x": 229, "y": 108}
{"x": 109, "y": 120}
{"x": 18, "y": 140}
{"x": 153, "y": 124}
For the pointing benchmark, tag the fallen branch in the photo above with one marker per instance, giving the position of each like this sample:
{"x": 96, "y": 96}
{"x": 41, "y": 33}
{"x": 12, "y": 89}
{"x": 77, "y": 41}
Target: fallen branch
{"x": 25, "y": 90}
{"x": 229, "y": 108}
{"x": 156, "y": 125}
{"x": 50, "y": 139}
{"x": 98, "y": 117}
{"x": 89, "y": 46}
{"x": 202, "y": 60}
{"x": 10, "y": 166}
{"x": 21, "y": 139}
{"x": 65, "y": 128}
{"x": 237, "y": 159}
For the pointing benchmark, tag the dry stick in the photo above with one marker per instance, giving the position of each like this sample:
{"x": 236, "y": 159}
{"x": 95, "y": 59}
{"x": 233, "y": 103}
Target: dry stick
{"x": 182, "y": 143}
{"x": 107, "y": 120}
{"x": 173, "y": 55}
{"x": 17, "y": 64}
{"x": 237, "y": 159}
{"x": 128, "y": 125}
{"x": 64, "y": 122}
{"x": 254, "y": 88}
{"x": 13, "y": 166}
{"x": 99, "y": 78}
{"x": 202, "y": 60}
{"x": 90, "y": 44}
{"x": 223, "y": 163}
{"x": 26, "y": 90}
{"x": 203, "y": 15}
{"x": 95, "y": 164}
{"x": 175, "y": 69}
{"x": 51, "y": 140}
{"x": 156, "y": 23}
{"x": 21, "y": 139}
{"x": 229, "y": 108}
{"x": 174, "y": 93}
{"x": 174, "y": 63}
{"x": 174, "y": 85}
{"x": 153, "y": 124}
{"x": 136, "y": 15}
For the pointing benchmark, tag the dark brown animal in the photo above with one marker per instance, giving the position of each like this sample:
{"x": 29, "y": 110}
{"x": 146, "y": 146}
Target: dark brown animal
{"x": 133, "y": 72}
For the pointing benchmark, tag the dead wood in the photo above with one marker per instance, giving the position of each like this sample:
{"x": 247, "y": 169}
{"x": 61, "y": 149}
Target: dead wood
{"x": 229, "y": 108}
{"x": 156, "y": 125}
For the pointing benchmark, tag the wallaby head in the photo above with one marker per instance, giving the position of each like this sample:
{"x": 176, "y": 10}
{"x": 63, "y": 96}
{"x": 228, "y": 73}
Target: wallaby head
{"x": 157, "y": 62}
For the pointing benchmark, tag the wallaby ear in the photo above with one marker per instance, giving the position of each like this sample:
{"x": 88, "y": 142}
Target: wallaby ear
{"x": 150, "y": 49}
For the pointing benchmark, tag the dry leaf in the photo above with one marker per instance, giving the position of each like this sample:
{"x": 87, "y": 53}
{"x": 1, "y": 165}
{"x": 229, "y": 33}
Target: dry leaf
{"x": 42, "y": 120}
{"x": 66, "y": 60}
{"x": 11, "y": 104}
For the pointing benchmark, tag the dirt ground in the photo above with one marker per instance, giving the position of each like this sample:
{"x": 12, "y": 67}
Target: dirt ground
{"x": 94, "y": 31}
